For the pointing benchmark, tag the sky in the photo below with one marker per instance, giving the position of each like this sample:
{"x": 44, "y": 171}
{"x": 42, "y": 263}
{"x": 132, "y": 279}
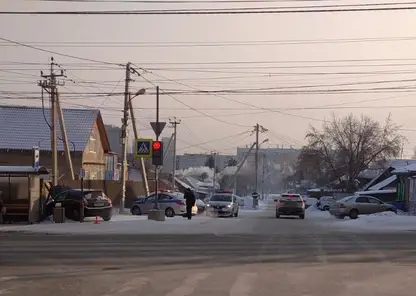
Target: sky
{"x": 246, "y": 54}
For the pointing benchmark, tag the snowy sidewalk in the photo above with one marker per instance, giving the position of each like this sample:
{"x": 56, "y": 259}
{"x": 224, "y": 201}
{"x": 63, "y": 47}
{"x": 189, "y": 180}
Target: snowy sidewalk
{"x": 380, "y": 222}
{"x": 128, "y": 224}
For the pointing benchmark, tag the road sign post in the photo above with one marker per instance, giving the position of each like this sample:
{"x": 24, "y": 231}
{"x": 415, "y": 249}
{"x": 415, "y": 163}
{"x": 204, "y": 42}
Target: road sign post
{"x": 143, "y": 148}
{"x": 158, "y": 127}
{"x": 255, "y": 196}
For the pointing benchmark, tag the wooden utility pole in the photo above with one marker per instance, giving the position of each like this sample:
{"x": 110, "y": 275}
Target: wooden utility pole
{"x": 124, "y": 121}
{"x": 51, "y": 84}
{"x": 64, "y": 137}
{"x": 174, "y": 122}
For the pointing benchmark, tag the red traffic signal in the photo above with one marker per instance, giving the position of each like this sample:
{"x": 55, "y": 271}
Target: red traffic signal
{"x": 156, "y": 145}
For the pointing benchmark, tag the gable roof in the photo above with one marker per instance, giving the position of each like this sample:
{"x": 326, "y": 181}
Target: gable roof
{"x": 23, "y": 127}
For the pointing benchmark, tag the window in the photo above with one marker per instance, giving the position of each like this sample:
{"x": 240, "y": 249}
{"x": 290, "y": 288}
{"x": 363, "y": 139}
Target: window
{"x": 361, "y": 199}
{"x": 92, "y": 144}
{"x": 164, "y": 197}
{"x": 374, "y": 201}
{"x": 150, "y": 199}
{"x": 225, "y": 198}
{"x": 61, "y": 197}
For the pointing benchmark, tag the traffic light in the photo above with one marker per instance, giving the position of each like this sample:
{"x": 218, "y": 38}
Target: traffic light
{"x": 157, "y": 153}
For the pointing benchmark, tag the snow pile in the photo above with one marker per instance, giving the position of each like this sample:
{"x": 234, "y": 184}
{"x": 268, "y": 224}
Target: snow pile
{"x": 386, "y": 221}
{"x": 196, "y": 172}
{"x": 124, "y": 224}
{"x": 229, "y": 171}
{"x": 314, "y": 212}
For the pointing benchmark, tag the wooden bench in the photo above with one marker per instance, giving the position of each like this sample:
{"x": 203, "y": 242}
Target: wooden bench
{"x": 16, "y": 212}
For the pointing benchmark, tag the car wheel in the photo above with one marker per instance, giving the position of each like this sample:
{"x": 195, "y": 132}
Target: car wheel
{"x": 326, "y": 208}
{"x": 75, "y": 215}
{"x": 169, "y": 212}
{"x": 136, "y": 211}
{"x": 106, "y": 218}
{"x": 302, "y": 216}
{"x": 277, "y": 215}
{"x": 353, "y": 214}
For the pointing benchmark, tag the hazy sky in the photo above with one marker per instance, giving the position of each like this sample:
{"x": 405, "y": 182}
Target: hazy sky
{"x": 269, "y": 65}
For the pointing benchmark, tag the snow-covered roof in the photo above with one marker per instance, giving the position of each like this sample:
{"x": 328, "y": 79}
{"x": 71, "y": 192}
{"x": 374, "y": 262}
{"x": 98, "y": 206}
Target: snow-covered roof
{"x": 411, "y": 168}
{"x": 384, "y": 183}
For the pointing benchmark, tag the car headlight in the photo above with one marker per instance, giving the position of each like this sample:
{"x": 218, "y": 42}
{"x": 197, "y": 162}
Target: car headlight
{"x": 208, "y": 205}
{"x": 229, "y": 206}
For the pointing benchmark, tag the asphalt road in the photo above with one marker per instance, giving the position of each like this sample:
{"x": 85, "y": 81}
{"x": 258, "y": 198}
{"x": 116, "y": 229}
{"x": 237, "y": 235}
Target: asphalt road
{"x": 285, "y": 257}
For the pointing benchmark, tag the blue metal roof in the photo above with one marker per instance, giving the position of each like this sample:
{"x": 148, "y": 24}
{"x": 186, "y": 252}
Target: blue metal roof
{"x": 23, "y": 127}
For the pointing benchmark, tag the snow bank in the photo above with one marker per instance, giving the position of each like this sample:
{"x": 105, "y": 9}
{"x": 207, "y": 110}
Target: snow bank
{"x": 313, "y": 212}
{"x": 129, "y": 224}
{"x": 386, "y": 221}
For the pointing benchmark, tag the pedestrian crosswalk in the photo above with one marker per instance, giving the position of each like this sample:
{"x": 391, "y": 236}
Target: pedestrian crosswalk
{"x": 198, "y": 265}
{"x": 240, "y": 280}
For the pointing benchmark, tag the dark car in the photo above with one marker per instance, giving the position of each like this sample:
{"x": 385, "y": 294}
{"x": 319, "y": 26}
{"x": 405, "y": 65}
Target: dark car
{"x": 291, "y": 205}
{"x": 95, "y": 203}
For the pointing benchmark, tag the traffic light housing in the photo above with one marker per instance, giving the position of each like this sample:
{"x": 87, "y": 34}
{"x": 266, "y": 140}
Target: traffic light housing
{"x": 157, "y": 153}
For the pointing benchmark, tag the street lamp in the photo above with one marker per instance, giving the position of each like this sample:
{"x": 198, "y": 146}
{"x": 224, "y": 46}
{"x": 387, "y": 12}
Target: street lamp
{"x": 264, "y": 141}
{"x": 138, "y": 93}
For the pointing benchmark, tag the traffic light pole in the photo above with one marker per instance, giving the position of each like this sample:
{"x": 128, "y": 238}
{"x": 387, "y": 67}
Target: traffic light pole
{"x": 157, "y": 139}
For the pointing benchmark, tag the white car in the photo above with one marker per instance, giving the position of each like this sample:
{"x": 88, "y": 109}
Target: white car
{"x": 325, "y": 202}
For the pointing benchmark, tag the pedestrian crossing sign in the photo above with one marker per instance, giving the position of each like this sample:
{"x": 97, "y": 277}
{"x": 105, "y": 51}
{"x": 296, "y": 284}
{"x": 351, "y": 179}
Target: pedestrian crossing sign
{"x": 143, "y": 148}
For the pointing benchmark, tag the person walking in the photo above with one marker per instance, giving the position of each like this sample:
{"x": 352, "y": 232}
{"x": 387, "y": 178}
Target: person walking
{"x": 190, "y": 202}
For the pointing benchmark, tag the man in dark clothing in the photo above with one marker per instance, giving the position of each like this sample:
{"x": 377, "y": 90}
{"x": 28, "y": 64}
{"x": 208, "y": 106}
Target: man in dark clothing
{"x": 190, "y": 202}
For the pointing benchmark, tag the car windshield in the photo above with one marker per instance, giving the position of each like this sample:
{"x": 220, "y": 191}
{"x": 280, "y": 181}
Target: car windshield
{"x": 177, "y": 195}
{"x": 227, "y": 198}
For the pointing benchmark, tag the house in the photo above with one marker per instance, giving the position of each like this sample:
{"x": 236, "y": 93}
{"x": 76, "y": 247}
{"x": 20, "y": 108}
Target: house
{"x": 22, "y": 128}
{"x": 406, "y": 186}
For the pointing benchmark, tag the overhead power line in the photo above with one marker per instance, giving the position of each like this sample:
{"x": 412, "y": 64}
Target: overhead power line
{"x": 365, "y": 7}
{"x": 155, "y": 44}
{"x": 58, "y": 53}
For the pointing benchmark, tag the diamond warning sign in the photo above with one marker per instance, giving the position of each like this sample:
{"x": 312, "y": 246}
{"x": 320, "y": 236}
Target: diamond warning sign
{"x": 143, "y": 148}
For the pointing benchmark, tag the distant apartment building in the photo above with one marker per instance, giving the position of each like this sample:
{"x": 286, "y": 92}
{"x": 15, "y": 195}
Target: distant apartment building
{"x": 280, "y": 157}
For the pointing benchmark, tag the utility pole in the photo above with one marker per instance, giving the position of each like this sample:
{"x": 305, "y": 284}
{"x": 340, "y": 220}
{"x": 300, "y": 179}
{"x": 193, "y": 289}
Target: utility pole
{"x": 174, "y": 122}
{"x": 263, "y": 175}
{"x": 124, "y": 122}
{"x": 136, "y": 136}
{"x": 257, "y": 129}
{"x": 51, "y": 84}
{"x": 214, "y": 179}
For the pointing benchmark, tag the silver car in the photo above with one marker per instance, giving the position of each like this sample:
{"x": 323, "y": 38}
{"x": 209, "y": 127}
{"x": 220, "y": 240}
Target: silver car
{"x": 173, "y": 203}
{"x": 352, "y": 206}
{"x": 223, "y": 205}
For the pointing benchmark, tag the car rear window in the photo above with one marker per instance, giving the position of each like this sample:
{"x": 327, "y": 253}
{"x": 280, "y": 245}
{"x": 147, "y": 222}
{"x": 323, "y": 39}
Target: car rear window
{"x": 94, "y": 194}
{"x": 291, "y": 197}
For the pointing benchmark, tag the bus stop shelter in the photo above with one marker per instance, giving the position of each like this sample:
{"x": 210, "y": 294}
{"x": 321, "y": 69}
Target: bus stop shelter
{"x": 21, "y": 190}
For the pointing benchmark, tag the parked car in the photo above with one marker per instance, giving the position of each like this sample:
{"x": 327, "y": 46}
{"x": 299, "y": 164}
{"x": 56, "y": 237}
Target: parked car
{"x": 352, "y": 206}
{"x": 223, "y": 204}
{"x": 325, "y": 203}
{"x": 290, "y": 204}
{"x": 95, "y": 203}
{"x": 172, "y": 202}
{"x": 240, "y": 201}
{"x": 201, "y": 206}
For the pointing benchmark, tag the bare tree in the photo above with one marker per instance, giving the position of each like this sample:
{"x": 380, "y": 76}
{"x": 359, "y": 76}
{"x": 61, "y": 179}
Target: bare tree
{"x": 349, "y": 145}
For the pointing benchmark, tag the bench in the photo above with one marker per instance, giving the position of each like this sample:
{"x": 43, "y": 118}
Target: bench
{"x": 16, "y": 212}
